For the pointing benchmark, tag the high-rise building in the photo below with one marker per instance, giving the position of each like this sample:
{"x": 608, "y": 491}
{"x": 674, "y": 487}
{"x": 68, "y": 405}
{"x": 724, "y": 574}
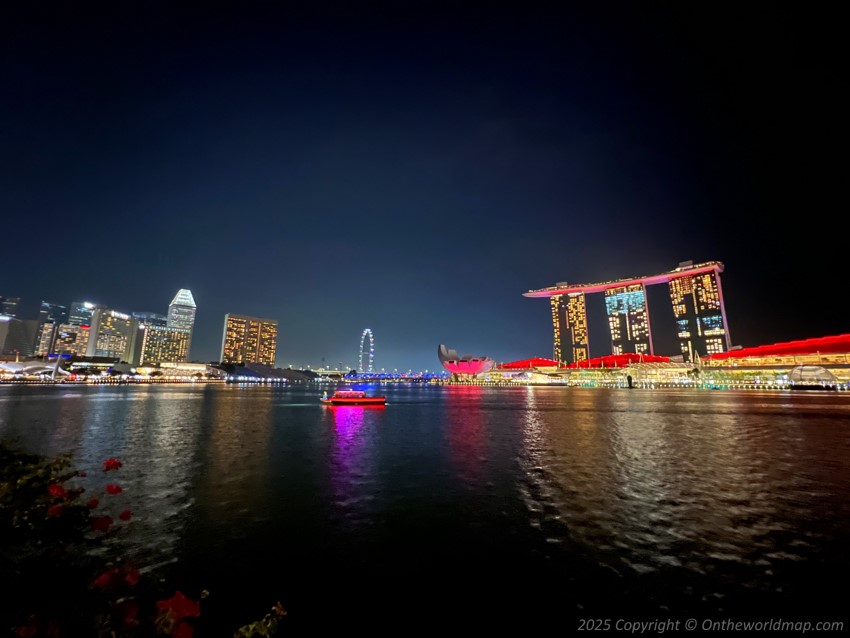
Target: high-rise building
{"x": 699, "y": 312}
{"x": 249, "y": 340}
{"x": 17, "y": 336}
{"x": 50, "y": 315}
{"x": 697, "y": 307}
{"x": 113, "y": 334}
{"x": 81, "y": 313}
{"x": 151, "y": 318}
{"x": 628, "y": 319}
{"x": 46, "y": 337}
{"x": 164, "y": 345}
{"x": 9, "y": 306}
{"x": 181, "y": 314}
{"x": 53, "y": 312}
{"x": 71, "y": 339}
{"x": 569, "y": 320}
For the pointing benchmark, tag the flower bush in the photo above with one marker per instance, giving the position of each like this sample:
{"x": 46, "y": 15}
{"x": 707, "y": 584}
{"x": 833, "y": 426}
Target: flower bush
{"x": 56, "y": 586}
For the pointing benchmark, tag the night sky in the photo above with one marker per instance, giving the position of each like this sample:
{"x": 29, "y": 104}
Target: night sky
{"x": 415, "y": 167}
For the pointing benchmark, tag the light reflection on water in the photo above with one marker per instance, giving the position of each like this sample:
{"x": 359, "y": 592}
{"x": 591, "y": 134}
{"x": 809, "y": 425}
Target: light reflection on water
{"x": 542, "y": 499}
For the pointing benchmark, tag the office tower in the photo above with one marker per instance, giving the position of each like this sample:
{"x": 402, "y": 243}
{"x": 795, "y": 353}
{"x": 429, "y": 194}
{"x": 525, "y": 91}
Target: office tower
{"x": 53, "y": 312}
{"x": 81, "y": 313}
{"x": 151, "y": 318}
{"x": 181, "y": 314}
{"x": 249, "y": 340}
{"x": 628, "y": 319}
{"x": 17, "y": 336}
{"x": 52, "y": 315}
{"x": 9, "y": 306}
{"x": 700, "y": 315}
{"x": 113, "y": 334}
{"x": 164, "y": 345}
{"x": 46, "y": 337}
{"x": 71, "y": 339}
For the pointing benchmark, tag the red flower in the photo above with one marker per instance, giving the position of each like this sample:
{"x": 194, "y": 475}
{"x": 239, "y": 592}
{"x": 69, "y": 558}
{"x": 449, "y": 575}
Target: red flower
{"x": 103, "y": 581}
{"x": 55, "y": 510}
{"x": 56, "y": 490}
{"x": 131, "y": 575}
{"x": 29, "y": 629}
{"x": 101, "y": 523}
{"x": 111, "y": 464}
{"x": 129, "y": 610}
{"x": 180, "y": 606}
{"x": 93, "y": 503}
{"x": 126, "y": 515}
{"x": 113, "y": 489}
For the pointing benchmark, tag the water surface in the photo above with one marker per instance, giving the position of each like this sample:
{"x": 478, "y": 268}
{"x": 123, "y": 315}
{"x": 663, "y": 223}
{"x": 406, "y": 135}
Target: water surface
{"x": 496, "y": 505}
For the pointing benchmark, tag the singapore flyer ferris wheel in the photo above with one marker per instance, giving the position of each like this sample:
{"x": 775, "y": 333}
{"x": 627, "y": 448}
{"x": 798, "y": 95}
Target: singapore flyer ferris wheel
{"x": 367, "y": 352}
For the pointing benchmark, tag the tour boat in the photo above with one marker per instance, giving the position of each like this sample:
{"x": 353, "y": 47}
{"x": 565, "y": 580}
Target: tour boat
{"x": 352, "y": 397}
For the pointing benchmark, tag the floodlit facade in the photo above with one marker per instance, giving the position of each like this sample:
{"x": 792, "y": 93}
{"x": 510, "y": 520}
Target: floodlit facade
{"x": 164, "y": 345}
{"x": 569, "y": 320}
{"x": 698, "y": 308}
{"x": 112, "y": 335}
{"x": 71, "y": 339}
{"x": 249, "y": 340}
{"x": 700, "y": 316}
{"x": 82, "y": 312}
{"x": 628, "y": 319}
{"x": 181, "y": 314}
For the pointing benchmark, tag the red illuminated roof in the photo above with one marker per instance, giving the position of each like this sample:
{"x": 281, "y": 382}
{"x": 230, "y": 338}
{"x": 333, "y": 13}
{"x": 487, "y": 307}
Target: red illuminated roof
{"x": 527, "y": 364}
{"x": 619, "y": 360}
{"x": 685, "y": 271}
{"x": 823, "y": 345}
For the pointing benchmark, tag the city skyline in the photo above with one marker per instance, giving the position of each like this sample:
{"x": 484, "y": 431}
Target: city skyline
{"x": 411, "y": 169}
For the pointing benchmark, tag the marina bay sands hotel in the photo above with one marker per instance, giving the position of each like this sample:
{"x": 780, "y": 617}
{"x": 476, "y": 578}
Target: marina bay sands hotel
{"x": 697, "y": 307}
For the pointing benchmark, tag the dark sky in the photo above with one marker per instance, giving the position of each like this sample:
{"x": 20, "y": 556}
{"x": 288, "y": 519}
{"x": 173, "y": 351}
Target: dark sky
{"x": 413, "y": 167}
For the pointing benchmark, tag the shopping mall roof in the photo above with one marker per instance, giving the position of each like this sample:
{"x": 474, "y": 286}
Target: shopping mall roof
{"x": 618, "y": 361}
{"x": 528, "y": 364}
{"x": 818, "y": 345}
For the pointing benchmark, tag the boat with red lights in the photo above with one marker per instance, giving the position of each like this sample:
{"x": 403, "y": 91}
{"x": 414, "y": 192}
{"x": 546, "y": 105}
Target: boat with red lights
{"x": 352, "y": 397}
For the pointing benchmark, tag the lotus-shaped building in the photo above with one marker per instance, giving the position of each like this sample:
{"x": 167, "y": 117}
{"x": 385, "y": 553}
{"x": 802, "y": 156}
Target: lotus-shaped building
{"x": 467, "y": 364}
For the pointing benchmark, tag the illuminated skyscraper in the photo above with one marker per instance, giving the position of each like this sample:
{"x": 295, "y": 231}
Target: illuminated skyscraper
{"x": 71, "y": 339}
{"x": 249, "y": 340}
{"x": 555, "y": 302}
{"x": 9, "y": 306}
{"x": 81, "y": 313}
{"x": 113, "y": 334}
{"x": 53, "y": 312}
{"x": 700, "y": 315}
{"x": 697, "y": 306}
{"x": 164, "y": 345}
{"x": 181, "y": 314}
{"x": 151, "y": 318}
{"x": 569, "y": 320}
{"x": 50, "y": 316}
{"x": 628, "y": 319}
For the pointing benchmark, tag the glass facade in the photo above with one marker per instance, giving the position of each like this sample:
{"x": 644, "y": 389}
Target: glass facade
{"x": 628, "y": 319}
{"x": 700, "y": 318}
{"x": 249, "y": 340}
{"x": 112, "y": 335}
{"x": 81, "y": 313}
{"x": 181, "y": 314}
